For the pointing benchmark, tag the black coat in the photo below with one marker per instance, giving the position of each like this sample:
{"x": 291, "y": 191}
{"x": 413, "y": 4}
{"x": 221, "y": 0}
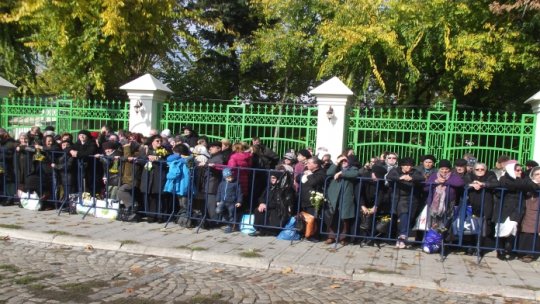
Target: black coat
{"x": 405, "y": 194}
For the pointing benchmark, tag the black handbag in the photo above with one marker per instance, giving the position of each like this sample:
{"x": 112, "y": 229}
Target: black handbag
{"x": 366, "y": 221}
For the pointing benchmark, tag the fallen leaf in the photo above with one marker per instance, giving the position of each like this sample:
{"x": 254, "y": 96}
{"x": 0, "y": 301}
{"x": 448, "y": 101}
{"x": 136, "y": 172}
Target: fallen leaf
{"x": 218, "y": 270}
{"x": 6, "y": 238}
{"x": 129, "y": 290}
{"x": 89, "y": 247}
{"x": 287, "y": 270}
{"x": 334, "y": 286}
{"x": 408, "y": 288}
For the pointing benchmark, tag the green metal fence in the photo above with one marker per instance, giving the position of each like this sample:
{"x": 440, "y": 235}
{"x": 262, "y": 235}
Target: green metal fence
{"x": 65, "y": 114}
{"x": 280, "y": 127}
{"x": 447, "y": 134}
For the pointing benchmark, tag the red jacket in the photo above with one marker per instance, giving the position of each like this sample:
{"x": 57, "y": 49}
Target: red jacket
{"x": 241, "y": 160}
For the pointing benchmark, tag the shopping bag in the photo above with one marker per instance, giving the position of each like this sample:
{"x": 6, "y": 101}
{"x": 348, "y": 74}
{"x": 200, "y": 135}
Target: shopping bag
{"x": 289, "y": 232}
{"x": 311, "y": 224}
{"x": 421, "y": 220}
{"x": 30, "y": 201}
{"x": 470, "y": 225}
{"x": 505, "y": 229}
{"x": 246, "y": 224}
{"x": 432, "y": 242}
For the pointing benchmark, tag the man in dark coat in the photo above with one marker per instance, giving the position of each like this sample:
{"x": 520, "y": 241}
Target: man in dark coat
{"x": 7, "y": 178}
{"x": 213, "y": 178}
{"x": 84, "y": 150}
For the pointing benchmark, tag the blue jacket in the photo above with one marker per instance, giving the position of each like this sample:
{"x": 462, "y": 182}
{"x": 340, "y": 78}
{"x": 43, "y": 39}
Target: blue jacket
{"x": 178, "y": 177}
{"x": 229, "y": 192}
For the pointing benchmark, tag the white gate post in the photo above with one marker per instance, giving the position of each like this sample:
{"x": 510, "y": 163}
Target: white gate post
{"x": 332, "y": 99}
{"x": 5, "y": 87}
{"x": 534, "y": 102}
{"x": 145, "y": 96}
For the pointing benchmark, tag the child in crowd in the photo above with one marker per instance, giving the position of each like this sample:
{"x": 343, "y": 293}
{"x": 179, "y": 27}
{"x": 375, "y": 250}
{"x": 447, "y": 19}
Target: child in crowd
{"x": 229, "y": 195}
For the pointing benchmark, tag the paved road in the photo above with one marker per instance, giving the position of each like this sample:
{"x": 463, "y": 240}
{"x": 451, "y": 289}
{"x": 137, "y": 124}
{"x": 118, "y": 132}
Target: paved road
{"x": 34, "y": 272}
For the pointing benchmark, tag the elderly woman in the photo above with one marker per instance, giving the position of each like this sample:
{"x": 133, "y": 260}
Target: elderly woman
{"x": 481, "y": 201}
{"x": 240, "y": 161}
{"x": 404, "y": 186}
{"x": 341, "y": 205}
{"x": 506, "y": 213}
{"x": 530, "y": 226}
{"x": 442, "y": 188}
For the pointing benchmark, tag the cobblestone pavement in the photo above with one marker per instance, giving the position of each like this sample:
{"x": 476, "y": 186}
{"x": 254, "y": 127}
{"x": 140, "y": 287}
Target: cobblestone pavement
{"x": 35, "y": 272}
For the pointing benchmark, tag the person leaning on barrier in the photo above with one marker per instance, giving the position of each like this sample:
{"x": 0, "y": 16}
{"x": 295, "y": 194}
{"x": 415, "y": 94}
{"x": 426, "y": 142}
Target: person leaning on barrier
{"x": 312, "y": 180}
{"x": 341, "y": 204}
{"x": 529, "y": 241}
{"x": 23, "y": 159}
{"x": 213, "y": 178}
{"x": 153, "y": 176}
{"x": 506, "y": 212}
{"x": 84, "y": 150}
{"x": 128, "y": 192}
{"x": 7, "y": 176}
{"x": 112, "y": 170}
{"x": 442, "y": 188}
{"x": 405, "y": 188}
{"x": 372, "y": 194}
{"x": 65, "y": 167}
{"x": 481, "y": 201}
{"x": 275, "y": 204}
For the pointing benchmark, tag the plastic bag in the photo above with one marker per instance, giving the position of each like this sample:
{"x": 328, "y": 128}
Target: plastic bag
{"x": 432, "y": 241}
{"x": 246, "y": 225}
{"x": 289, "y": 232}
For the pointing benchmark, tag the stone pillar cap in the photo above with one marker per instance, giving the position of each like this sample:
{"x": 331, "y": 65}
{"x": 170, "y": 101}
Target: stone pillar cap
{"x": 146, "y": 82}
{"x": 6, "y": 84}
{"x": 334, "y": 87}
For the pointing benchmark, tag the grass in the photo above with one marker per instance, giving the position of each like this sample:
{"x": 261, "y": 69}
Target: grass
{"x": 25, "y": 280}
{"x": 132, "y": 300}
{"x": 251, "y": 253}
{"x": 11, "y": 226}
{"x": 10, "y": 268}
{"x": 377, "y": 270}
{"x": 205, "y": 299}
{"x": 194, "y": 248}
{"x": 77, "y": 292}
{"x": 57, "y": 232}
{"x": 527, "y": 287}
{"x": 127, "y": 242}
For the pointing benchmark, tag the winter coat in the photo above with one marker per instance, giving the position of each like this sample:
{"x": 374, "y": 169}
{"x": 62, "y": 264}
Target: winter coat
{"x": 241, "y": 160}
{"x": 308, "y": 183}
{"x": 152, "y": 181}
{"x": 475, "y": 197}
{"x": 340, "y": 192}
{"x": 229, "y": 192}
{"x": 506, "y": 202}
{"x": 279, "y": 198}
{"x": 405, "y": 194}
{"x": 178, "y": 176}
{"x": 532, "y": 203}
{"x": 453, "y": 183}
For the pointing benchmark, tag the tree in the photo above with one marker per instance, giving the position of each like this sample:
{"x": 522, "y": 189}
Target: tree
{"x": 90, "y": 47}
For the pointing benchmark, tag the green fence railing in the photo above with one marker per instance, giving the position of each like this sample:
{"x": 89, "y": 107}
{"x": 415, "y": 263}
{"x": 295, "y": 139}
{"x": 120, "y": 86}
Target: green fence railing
{"x": 447, "y": 134}
{"x": 280, "y": 127}
{"x": 65, "y": 114}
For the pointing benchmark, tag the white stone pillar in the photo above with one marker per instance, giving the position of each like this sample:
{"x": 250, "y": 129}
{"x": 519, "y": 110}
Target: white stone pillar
{"x": 145, "y": 96}
{"x": 534, "y": 102}
{"x": 331, "y": 131}
{"x": 5, "y": 87}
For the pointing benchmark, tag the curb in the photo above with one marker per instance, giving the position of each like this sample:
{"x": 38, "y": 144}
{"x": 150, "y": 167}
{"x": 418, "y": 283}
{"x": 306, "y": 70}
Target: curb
{"x": 268, "y": 264}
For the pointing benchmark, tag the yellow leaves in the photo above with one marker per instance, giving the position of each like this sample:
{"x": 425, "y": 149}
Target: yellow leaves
{"x": 376, "y": 73}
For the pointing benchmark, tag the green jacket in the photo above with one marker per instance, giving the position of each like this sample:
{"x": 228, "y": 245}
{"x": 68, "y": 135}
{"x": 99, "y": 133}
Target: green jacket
{"x": 341, "y": 192}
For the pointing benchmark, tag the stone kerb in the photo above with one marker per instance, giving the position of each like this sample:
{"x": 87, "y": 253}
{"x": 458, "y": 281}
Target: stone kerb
{"x": 332, "y": 97}
{"x": 145, "y": 95}
{"x": 534, "y": 102}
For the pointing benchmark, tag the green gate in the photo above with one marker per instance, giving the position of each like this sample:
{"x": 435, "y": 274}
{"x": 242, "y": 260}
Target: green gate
{"x": 447, "y": 134}
{"x": 281, "y": 127}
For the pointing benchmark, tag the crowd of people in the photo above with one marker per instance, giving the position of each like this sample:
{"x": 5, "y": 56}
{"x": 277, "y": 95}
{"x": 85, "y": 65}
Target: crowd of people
{"x": 164, "y": 174}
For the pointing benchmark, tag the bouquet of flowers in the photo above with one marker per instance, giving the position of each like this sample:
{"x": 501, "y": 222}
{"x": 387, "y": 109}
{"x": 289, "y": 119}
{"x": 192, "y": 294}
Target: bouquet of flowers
{"x": 39, "y": 156}
{"x": 114, "y": 167}
{"x": 161, "y": 152}
{"x": 316, "y": 199}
